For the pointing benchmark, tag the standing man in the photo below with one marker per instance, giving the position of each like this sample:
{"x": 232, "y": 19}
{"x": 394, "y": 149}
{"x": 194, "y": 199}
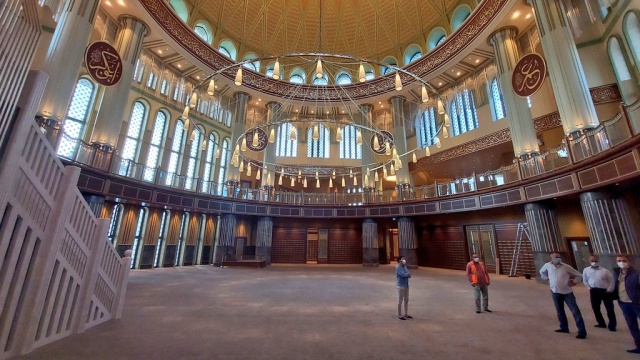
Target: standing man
{"x": 479, "y": 279}
{"x": 627, "y": 280}
{"x": 561, "y": 278}
{"x": 600, "y": 283}
{"x": 402, "y": 281}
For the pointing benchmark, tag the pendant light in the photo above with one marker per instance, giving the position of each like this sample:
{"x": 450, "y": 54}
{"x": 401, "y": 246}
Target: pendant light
{"x": 218, "y": 152}
{"x": 276, "y": 69}
{"x": 368, "y": 171}
{"x": 398, "y": 82}
{"x": 415, "y": 158}
{"x": 350, "y": 172}
{"x": 375, "y": 176}
{"x": 316, "y": 136}
{"x": 192, "y": 138}
{"x": 236, "y": 152}
{"x": 268, "y": 178}
{"x": 204, "y": 145}
{"x": 438, "y": 144}
{"x": 249, "y": 169}
{"x": 304, "y": 183}
{"x": 384, "y": 171}
{"x": 243, "y": 147}
{"x": 427, "y": 152}
{"x": 241, "y": 168}
{"x": 398, "y": 163}
{"x": 293, "y": 134}
{"x": 186, "y": 124}
{"x": 366, "y": 180}
{"x": 330, "y": 183}
{"x": 355, "y": 181}
{"x": 185, "y": 113}
{"x": 394, "y": 153}
{"x": 255, "y": 141}
{"x": 319, "y": 72}
{"x": 258, "y": 174}
{"x": 194, "y": 100}
{"x": 362, "y": 75}
{"x": 317, "y": 183}
{"x": 387, "y": 148}
{"x": 425, "y": 94}
{"x": 272, "y": 136}
{"x": 238, "y": 80}
{"x": 211, "y": 88}
{"x": 445, "y": 133}
{"x": 343, "y": 183}
{"x": 333, "y": 174}
{"x": 293, "y": 181}
{"x": 447, "y": 120}
{"x": 440, "y": 107}
{"x": 339, "y": 134}
{"x": 376, "y": 143}
{"x": 359, "y": 137}
{"x": 316, "y": 174}
{"x": 392, "y": 170}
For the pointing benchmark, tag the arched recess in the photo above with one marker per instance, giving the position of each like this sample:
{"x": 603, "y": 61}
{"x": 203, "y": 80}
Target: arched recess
{"x": 389, "y": 60}
{"x": 343, "y": 77}
{"x": 203, "y": 30}
{"x": 620, "y": 63}
{"x": 228, "y": 49}
{"x": 631, "y": 28}
{"x": 436, "y": 37}
{"x": 460, "y": 14}
{"x": 297, "y": 76}
{"x": 253, "y": 65}
{"x": 412, "y": 53}
{"x": 180, "y": 9}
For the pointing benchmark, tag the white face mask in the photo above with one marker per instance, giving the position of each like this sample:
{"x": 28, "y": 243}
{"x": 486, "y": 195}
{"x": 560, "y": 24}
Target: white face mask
{"x": 556, "y": 260}
{"x": 594, "y": 264}
{"x": 476, "y": 259}
{"x": 403, "y": 261}
{"x": 623, "y": 265}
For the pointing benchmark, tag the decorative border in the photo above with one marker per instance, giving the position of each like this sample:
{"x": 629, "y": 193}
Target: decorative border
{"x": 178, "y": 30}
{"x": 605, "y": 94}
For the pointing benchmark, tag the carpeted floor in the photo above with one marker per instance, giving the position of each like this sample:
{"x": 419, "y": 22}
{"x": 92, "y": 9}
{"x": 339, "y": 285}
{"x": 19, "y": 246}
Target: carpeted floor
{"x": 334, "y": 312}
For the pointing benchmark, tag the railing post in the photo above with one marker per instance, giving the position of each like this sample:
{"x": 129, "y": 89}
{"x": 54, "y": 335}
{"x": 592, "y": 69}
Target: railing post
{"x": 122, "y": 289}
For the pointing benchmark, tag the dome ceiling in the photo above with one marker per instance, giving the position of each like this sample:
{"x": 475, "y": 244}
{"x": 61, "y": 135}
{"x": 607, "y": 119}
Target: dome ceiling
{"x": 361, "y": 28}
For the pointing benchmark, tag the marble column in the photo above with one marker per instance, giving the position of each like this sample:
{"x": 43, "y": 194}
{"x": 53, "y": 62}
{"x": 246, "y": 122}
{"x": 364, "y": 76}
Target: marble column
{"x": 400, "y": 139}
{"x": 407, "y": 241}
{"x": 225, "y": 244}
{"x": 269, "y": 156}
{"x": 569, "y": 84}
{"x": 96, "y": 203}
{"x": 545, "y": 234}
{"x": 523, "y": 133}
{"x": 610, "y": 228}
{"x": 237, "y": 130}
{"x": 370, "y": 257}
{"x": 265, "y": 236}
{"x": 114, "y": 103}
{"x": 65, "y": 56}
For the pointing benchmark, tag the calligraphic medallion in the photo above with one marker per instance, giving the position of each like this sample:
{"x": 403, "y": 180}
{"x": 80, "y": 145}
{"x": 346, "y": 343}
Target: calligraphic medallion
{"x": 263, "y": 139}
{"x": 383, "y": 137}
{"x": 529, "y": 75}
{"x": 103, "y": 63}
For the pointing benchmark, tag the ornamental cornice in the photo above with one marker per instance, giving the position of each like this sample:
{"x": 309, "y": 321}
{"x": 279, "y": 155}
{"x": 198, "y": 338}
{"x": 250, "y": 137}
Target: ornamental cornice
{"x": 479, "y": 20}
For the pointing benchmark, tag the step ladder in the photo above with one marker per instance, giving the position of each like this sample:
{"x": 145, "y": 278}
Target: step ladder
{"x": 523, "y": 230}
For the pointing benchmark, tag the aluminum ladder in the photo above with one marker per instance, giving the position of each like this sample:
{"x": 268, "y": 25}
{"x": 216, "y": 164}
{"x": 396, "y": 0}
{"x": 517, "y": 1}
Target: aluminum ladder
{"x": 523, "y": 229}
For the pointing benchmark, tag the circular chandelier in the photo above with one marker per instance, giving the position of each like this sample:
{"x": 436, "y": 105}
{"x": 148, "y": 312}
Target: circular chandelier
{"x": 261, "y": 133}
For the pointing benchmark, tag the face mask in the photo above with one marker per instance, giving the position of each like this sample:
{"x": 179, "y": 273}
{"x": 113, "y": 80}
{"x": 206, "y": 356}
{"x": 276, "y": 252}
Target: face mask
{"x": 594, "y": 264}
{"x": 476, "y": 259}
{"x": 557, "y": 260}
{"x": 623, "y": 265}
{"x": 403, "y": 261}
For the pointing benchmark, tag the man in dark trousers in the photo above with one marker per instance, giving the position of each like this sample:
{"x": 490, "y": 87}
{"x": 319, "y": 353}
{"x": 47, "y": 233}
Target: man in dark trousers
{"x": 479, "y": 279}
{"x": 600, "y": 283}
{"x": 402, "y": 282}
{"x": 628, "y": 289}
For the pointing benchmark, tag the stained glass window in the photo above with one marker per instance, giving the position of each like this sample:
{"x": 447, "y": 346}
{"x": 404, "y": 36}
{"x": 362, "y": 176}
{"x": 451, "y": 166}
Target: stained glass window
{"x": 349, "y": 148}
{"x": 155, "y": 146}
{"x": 152, "y": 80}
{"x": 463, "y": 113}
{"x": 369, "y": 75}
{"x": 210, "y": 162}
{"x": 134, "y": 134}
{"x": 454, "y": 118}
{"x": 194, "y": 157}
{"x": 176, "y": 153}
{"x": 426, "y": 128}
{"x": 286, "y": 147}
{"x": 296, "y": 79}
{"x": 222, "y": 173}
{"x": 498, "y": 103}
{"x": 318, "y": 148}
{"x": 343, "y": 79}
{"x": 320, "y": 81}
{"x": 223, "y": 50}
{"x": 204, "y": 33}
{"x": 76, "y": 117}
{"x": 415, "y": 56}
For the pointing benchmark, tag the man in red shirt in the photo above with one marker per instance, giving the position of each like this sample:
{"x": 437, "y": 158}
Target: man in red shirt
{"x": 479, "y": 279}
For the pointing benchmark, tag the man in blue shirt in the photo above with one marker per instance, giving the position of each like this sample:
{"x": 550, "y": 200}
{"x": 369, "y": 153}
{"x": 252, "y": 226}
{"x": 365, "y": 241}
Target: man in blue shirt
{"x": 402, "y": 281}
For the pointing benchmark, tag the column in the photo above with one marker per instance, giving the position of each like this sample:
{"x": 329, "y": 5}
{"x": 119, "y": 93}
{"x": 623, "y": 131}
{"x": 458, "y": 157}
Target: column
{"x": 368, "y": 157}
{"x": 238, "y": 129}
{"x": 370, "y": 257}
{"x": 404, "y": 180}
{"x": 569, "y": 84}
{"x": 407, "y": 242}
{"x": 265, "y": 235}
{"x": 226, "y": 239}
{"x": 545, "y": 234}
{"x": 610, "y": 228}
{"x": 115, "y": 100}
{"x": 65, "y": 56}
{"x": 96, "y": 203}
{"x": 523, "y": 133}
{"x": 273, "y": 111}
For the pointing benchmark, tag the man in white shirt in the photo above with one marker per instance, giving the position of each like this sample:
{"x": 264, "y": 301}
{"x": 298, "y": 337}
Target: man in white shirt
{"x": 561, "y": 278}
{"x": 600, "y": 283}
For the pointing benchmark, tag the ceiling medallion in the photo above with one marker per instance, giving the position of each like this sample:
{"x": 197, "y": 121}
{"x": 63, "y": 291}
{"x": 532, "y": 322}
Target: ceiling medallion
{"x": 257, "y": 140}
{"x": 379, "y": 142}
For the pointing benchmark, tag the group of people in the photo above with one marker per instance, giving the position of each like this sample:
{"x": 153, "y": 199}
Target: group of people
{"x": 604, "y": 287}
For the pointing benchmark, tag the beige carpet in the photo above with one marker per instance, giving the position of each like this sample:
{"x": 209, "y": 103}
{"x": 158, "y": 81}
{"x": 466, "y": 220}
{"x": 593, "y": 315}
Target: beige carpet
{"x": 334, "y": 312}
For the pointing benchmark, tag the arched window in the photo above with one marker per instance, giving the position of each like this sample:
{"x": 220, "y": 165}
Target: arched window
{"x": 496, "y": 97}
{"x": 137, "y": 238}
{"x": 631, "y": 28}
{"x": 155, "y": 146}
{"x": 426, "y": 128}
{"x": 320, "y": 81}
{"x": 210, "y": 163}
{"x": 134, "y": 133}
{"x": 114, "y": 224}
{"x": 435, "y": 38}
{"x": 318, "y": 148}
{"x": 161, "y": 242}
{"x": 138, "y": 73}
{"x": 389, "y": 60}
{"x": 194, "y": 157}
{"x": 184, "y": 225}
{"x": 296, "y": 79}
{"x": 369, "y": 74}
{"x": 77, "y": 114}
{"x": 176, "y": 153}
{"x": 203, "y": 30}
{"x": 349, "y": 147}
{"x": 463, "y": 113}
{"x": 286, "y": 147}
{"x": 180, "y": 9}
{"x": 254, "y": 65}
{"x": 412, "y": 53}
{"x": 415, "y": 57}
{"x": 628, "y": 88}
{"x": 228, "y": 49}
{"x": 441, "y": 40}
{"x": 164, "y": 87}
{"x": 461, "y": 14}
{"x": 222, "y": 172}
{"x": 343, "y": 79}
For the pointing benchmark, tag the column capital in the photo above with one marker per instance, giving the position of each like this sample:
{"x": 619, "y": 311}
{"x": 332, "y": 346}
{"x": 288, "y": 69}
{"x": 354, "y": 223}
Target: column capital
{"x": 366, "y": 107}
{"x": 242, "y": 96}
{"x": 507, "y": 32}
{"x": 131, "y": 21}
{"x": 273, "y": 105}
{"x": 398, "y": 99}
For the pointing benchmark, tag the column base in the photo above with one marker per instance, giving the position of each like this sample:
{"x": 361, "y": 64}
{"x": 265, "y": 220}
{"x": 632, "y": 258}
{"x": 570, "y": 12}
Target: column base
{"x": 541, "y": 258}
{"x": 370, "y": 257}
{"x": 264, "y": 251}
{"x": 411, "y": 255}
{"x": 220, "y": 253}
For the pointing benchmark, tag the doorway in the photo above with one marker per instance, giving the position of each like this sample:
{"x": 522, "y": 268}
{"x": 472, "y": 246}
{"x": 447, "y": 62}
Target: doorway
{"x": 481, "y": 240}
{"x": 391, "y": 244}
{"x": 580, "y": 251}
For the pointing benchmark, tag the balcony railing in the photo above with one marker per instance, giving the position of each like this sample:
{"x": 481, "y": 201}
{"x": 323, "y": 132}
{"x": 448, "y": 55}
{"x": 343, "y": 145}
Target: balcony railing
{"x": 606, "y": 136}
